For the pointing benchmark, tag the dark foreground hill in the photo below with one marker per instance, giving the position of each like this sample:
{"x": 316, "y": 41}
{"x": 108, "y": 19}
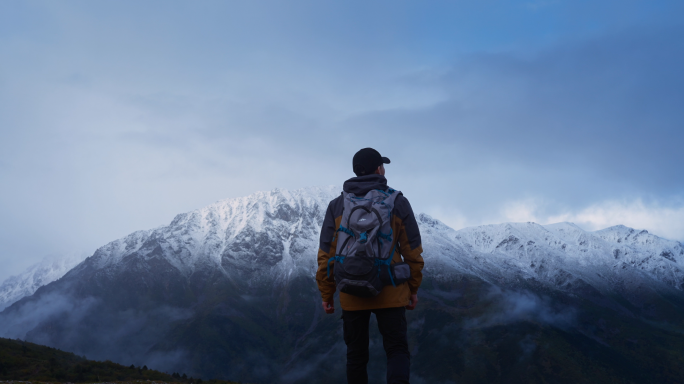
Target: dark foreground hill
{"x": 24, "y": 361}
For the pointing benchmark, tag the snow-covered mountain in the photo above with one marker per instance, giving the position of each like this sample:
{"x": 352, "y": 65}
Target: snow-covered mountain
{"x": 228, "y": 291}
{"x": 273, "y": 234}
{"x": 555, "y": 254}
{"x": 44, "y": 272}
{"x": 264, "y": 233}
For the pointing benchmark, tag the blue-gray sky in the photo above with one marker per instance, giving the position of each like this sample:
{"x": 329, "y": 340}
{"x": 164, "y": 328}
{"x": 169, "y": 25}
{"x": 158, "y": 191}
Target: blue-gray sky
{"x": 117, "y": 115}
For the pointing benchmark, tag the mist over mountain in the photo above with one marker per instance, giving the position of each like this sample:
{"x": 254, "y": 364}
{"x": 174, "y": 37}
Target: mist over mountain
{"x": 44, "y": 272}
{"x": 228, "y": 291}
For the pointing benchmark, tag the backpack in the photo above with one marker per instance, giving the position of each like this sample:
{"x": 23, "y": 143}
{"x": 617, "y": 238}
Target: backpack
{"x": 364, "y": 251}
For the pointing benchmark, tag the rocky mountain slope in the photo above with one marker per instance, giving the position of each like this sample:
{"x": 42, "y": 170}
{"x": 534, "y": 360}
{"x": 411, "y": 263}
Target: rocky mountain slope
{"x": 227, "y": 291}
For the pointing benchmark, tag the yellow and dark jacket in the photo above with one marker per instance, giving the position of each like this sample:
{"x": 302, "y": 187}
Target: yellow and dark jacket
{"x": 409, "y": 249}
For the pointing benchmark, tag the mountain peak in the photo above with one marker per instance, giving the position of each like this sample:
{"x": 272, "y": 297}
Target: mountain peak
{"x": 268, "y": 223}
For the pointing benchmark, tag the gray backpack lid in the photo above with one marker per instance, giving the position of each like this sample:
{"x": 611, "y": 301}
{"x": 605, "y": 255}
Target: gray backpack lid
{"x": 364, "y": 242}
{"x": 366, "y": 224}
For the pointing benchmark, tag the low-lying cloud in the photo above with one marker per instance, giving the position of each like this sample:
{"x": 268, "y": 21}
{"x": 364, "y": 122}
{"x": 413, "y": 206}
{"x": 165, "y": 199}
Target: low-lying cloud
{"x": 515, "y": 306}
{"x": 125, "y": 336}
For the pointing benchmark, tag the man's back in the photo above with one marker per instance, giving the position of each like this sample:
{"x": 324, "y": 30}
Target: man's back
{"x": 390, "y": 304}
{"x": 405, "y": 232}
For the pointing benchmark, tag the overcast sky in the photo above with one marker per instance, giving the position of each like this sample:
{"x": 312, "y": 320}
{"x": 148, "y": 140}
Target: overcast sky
{"x": 117, "y": 115}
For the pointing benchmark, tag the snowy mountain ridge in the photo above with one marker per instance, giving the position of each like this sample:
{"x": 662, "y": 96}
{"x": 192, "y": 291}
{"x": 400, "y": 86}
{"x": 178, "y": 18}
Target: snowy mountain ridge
{"x": 276, "y": 234}
{"x": 279, "y": 227}
{"x": 557, "y": 254}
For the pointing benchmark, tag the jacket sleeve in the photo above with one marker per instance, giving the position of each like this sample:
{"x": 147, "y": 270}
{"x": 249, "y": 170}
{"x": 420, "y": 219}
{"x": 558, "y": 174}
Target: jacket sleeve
{"x": 326, "y": 250}
{"x": 410, "y": 244}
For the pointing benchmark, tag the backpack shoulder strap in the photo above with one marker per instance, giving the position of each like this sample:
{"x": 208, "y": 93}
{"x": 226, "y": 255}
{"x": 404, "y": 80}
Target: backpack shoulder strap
{"x": 392, "y": 195}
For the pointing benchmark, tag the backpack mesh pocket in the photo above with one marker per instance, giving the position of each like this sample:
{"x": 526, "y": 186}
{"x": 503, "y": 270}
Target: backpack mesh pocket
{"x": 401, "y": 273}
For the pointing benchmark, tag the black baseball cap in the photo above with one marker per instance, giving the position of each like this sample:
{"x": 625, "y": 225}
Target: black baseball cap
{"x": 367, "y": 160}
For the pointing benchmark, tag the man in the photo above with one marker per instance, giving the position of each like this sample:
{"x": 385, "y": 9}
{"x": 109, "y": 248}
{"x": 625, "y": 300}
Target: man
{"x": 390, "y": 305}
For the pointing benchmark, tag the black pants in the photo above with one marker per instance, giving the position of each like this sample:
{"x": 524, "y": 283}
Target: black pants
{"x": 392, "y": 326}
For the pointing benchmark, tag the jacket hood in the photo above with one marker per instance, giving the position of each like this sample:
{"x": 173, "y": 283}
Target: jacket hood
{"x": 362, "y": 184}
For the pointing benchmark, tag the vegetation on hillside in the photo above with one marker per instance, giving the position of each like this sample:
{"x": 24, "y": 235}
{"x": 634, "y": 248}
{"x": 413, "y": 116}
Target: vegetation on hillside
{"x": 24, "y": 361}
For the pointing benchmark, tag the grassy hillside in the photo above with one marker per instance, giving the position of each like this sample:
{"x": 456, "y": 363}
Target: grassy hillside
{"x": 23, "y": 361}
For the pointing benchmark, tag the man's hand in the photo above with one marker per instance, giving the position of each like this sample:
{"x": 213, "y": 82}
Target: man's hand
{"x": 329, "y": 307}
{"x": 412, "y": 302}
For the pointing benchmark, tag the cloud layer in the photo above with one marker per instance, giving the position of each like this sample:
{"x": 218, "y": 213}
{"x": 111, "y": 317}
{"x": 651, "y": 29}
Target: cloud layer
{"x": 116, "y": 116}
